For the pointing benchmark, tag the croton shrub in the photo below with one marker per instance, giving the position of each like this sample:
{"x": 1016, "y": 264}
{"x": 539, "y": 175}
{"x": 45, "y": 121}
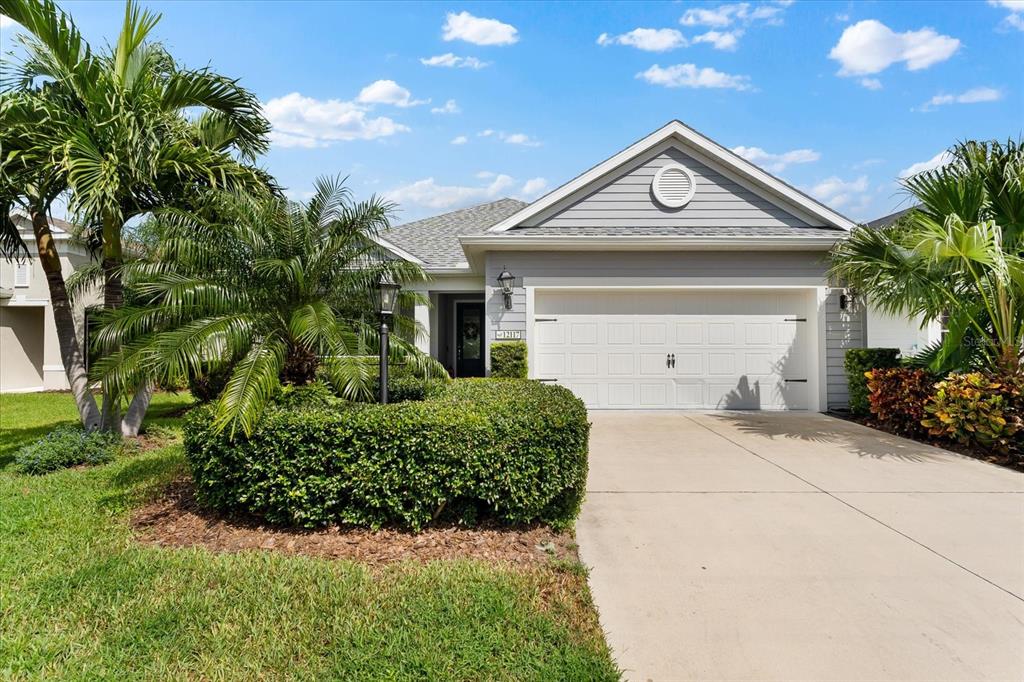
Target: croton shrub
{"x": 976, "y": 409}
{"x": 897, "y": 396}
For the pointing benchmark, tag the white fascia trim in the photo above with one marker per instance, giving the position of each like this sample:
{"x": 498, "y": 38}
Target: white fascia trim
{"x": 707, "y": 146}
{"x": 397, "y": 250}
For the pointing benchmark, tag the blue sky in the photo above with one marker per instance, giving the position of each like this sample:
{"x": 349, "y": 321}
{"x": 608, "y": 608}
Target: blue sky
{"x": 444, "y": 105}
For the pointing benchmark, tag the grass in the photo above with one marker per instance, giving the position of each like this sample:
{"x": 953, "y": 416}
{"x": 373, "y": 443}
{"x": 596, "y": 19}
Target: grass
{"x": 79, "y": 598}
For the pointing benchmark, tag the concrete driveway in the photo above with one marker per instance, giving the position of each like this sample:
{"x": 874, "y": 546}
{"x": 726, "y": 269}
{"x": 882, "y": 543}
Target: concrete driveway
{"x": 793, "y": 546}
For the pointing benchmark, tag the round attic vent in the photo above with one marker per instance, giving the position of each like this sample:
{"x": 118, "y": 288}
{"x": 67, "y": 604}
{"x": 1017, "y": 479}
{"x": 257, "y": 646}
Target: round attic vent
{"x": 673, "y": 185}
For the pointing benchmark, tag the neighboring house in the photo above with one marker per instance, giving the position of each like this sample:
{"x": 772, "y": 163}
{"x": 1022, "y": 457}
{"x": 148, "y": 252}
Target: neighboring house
{"x": 29, "y": 352}
{"x": 675, "y": 274}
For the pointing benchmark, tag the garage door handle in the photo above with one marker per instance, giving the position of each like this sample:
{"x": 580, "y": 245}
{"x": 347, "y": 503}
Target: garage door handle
{"x": 548, "y": 380}
{"x": 795, "y": 319}
{"x": 545, "y": 319}
{"x": 795, "y": 381}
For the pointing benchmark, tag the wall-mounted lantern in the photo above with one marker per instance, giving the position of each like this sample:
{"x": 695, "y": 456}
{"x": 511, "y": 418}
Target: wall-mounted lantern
{"x": 847, "y": 300}
{"x": 507, "y": 280}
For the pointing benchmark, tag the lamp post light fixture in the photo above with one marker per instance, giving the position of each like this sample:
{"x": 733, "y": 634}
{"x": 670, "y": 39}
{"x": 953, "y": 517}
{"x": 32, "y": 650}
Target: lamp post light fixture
{"x": 506, "y": 279}
{"x": 387, "y": 289}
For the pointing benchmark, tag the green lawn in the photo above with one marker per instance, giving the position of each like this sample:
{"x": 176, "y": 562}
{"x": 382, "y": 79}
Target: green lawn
{"x": 80, "y": 599}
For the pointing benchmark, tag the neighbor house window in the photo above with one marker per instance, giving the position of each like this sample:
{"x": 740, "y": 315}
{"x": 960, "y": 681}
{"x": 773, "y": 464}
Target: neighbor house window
{"x": 22, "y": 273}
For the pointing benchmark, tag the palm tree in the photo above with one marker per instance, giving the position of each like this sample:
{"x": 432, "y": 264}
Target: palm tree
{"x": 126, "y": 131}
{"x": 258, "y": 284}
{"x": 957, "y": 256}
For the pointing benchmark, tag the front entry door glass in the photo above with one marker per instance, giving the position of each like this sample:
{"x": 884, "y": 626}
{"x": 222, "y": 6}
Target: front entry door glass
{"x": 469, "y": 336}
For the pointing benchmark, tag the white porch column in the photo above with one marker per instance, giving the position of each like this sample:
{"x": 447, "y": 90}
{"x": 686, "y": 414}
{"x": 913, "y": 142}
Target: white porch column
{"x": 422, "y": 316}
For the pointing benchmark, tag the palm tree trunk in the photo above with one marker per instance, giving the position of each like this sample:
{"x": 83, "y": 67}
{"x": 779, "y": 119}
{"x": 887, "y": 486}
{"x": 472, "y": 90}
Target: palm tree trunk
{"x": 132, "y": 421}
{"x": 113, "y": 297}
{"x": 67, "y": 336}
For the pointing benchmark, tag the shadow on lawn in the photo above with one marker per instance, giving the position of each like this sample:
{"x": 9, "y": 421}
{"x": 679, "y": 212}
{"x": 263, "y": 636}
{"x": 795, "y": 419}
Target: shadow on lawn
{"x": 861, "y": 440}
{"x": 142, "y": 478}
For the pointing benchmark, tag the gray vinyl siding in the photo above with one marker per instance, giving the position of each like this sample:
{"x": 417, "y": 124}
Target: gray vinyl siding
{"x": 627, "y": 200}
{"x": 843, "y": 330}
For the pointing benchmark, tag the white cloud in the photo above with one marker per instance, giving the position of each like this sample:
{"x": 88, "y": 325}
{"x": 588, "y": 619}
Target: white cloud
{"x": 721, "y": 40}
{"x": 450, "y": 107}
{"x": 726, "y": 15}
{"x": 837, "y": 192}
{"x": 521, "y": 139}
{"x": 533, "y": 188}
{"x": 453, "y": 61}
{"x": 300, "y": 121}
{"x": 870, "y": 46}
{"x": 972, "y": 96}
{"x": 429, "y": 194}
{"x": 510, "y": 138}
{"x": 690, "y": 76}
{"x": 1015, "y": 19}
{"x": 776, "y": 163}
{"x": 388, "y": 92}
{"x": 647, "y": 39}
{"x": 940, "y": 159}
{"x": 870, "y": 83}
{"x": 461, "y": 139}
{"x": 478, "y": 30}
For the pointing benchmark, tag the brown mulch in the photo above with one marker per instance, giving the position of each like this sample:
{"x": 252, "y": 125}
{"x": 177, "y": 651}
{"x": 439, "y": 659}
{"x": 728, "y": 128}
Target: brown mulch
{"x": 175, "y": 519}
{"x": 1008, "y": 461}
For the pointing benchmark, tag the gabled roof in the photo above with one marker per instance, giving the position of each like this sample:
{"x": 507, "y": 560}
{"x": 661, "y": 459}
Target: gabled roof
{"x": 822, "y": 215}
{"x": 434, "y": 241}
{"x": 887, "y": 220}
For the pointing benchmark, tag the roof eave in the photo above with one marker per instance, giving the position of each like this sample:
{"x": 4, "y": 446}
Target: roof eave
{"x": 476, "y": 246}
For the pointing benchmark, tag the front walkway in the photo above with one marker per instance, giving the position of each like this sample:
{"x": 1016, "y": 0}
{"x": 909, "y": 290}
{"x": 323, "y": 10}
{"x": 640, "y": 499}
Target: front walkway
{"x": 756, "y": 546}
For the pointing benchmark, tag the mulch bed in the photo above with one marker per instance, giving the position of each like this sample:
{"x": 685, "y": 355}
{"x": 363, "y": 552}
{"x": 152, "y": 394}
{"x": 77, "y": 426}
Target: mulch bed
{"x": 1009, "y": 462}
{"x": 175, "y": 519}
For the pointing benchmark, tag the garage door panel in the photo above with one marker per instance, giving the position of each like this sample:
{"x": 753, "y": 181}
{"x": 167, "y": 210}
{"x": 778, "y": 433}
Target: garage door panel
{"x": 550, "y": 333}
{"x": 723, "y": 359}
{"x": 583, "y": 364}
{"x": 583, "y": 333}
{"x": 655, "y": 333}
{"x": 721, "y": 333}
{"x": 689, "y": 364}
{"x": 653, "y": 364}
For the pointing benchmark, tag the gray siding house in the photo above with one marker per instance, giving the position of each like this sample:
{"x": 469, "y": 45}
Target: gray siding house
{"x": 674, "y": 274}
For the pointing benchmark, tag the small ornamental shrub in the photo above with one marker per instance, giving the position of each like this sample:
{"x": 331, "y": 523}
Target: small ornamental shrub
{"x": 403, "y": 386}
{"x": 977, "y": 410}
{"x": 861, "y": 360}
{"x": 208, "y": 386}
{"x": 897, "y": 398}
{"x": 67, "y": 446}
{"x": 510, "y": 450}
{"x": 508, "y": 360}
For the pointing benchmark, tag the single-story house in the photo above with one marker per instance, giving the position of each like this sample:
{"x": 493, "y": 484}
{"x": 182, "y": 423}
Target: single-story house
{"x": 674, "y": 274}
{"x": 29, "y": 351}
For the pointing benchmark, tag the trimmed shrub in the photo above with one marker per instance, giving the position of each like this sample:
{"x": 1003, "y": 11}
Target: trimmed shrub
{"x": 861, "y": 360}
{"x": 512, "y": 450}
{"x": 897, "y": 398}
{"x": 508, "y": 360}
{"x": 67, "y": 446}
{"x": 404, "y": 386}
{"x": 976, "y": 410}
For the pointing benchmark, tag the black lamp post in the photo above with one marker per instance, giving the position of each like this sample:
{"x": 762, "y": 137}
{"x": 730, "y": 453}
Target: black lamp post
{"x": 506, "y": 279}
{"x": 388, "y": 290}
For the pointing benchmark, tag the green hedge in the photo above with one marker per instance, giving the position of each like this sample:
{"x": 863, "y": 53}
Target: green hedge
{"x": 861, "y": 360}
{"x": 508, "y": 360}
{"x": 513, "y": 450}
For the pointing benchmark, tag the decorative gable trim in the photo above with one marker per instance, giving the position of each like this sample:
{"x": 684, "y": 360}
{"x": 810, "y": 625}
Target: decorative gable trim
{"x": 730, "y": 164}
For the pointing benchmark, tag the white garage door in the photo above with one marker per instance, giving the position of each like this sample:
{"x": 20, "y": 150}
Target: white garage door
{"x": 675, "y": 349}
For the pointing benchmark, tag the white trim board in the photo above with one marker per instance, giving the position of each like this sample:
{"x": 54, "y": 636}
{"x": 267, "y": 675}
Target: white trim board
{"x": 702, "y": 145}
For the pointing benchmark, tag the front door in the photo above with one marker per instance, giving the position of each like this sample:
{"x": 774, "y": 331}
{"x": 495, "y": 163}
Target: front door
{"x": 469, "y": 339}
